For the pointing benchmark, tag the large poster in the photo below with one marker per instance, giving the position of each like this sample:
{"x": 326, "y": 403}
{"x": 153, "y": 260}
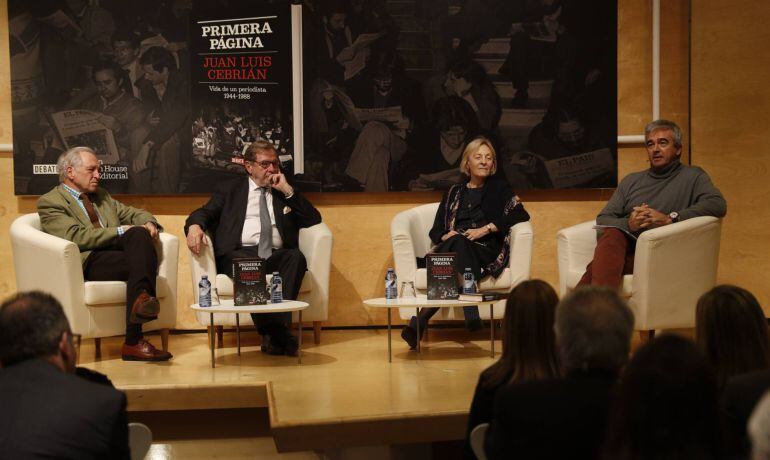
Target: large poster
{"x": 395, "y": 90}
{"x": 168, "y": 93}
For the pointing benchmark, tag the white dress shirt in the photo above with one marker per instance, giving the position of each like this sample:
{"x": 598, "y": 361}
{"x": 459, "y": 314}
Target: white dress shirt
{"x": 251, "y": 225}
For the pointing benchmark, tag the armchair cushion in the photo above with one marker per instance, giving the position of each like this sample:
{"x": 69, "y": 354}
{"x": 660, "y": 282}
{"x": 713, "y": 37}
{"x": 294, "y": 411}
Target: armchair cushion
{"x": 112, "y": 292}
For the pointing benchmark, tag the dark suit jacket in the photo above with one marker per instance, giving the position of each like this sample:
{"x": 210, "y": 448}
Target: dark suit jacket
{"x": 46, "y": 413}
{"x": 740, "y": 396}
{"x": 225, "y": 212}
{"x": 559, "y": 419}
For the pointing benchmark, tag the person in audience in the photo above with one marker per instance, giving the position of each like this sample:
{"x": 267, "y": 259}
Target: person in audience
{"x": 566, "y": 417}
{"x": 759, "y": 430}
{"x": 667, "y": 192}
{"x": 235, "y": 216}
{"x": 731, "y": 330}
{"x": 117, "y": 242}
{"x": 665, "y": 405}
{"x": 473, "y": 221}
{"x": 47, "y": 410}
{"x": 529, "y": 349}
{"x": 739, "y": 398}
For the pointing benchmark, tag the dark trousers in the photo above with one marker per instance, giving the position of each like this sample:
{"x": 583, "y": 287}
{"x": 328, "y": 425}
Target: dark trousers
{"x": 613, "y": 258}
{"x": 131, "y": 258}
{"x": 291, "y": 264}
{"x": 469, "y": 255}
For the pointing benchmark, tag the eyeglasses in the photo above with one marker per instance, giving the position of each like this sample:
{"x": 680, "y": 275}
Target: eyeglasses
{"x": 266, "y": 164}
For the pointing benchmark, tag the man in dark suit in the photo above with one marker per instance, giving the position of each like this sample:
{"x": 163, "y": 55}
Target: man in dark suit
{"x": 116, "y": 242}
{"x": 258, "y": 216}
{"x": 48, "y": 411}
{"x": 566, "y": 418}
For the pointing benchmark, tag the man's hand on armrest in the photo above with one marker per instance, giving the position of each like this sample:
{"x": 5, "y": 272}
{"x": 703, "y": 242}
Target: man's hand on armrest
{"x": 195, "y": 237}
{"x": 152, "y": 229}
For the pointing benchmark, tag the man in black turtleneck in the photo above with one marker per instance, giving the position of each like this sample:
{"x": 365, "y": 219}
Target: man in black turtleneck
{"x": 666, "y": 193}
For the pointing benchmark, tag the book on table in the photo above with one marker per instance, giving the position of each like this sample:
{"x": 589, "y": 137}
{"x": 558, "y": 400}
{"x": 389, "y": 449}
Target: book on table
{"x": 249, "y": 282}
{"x": 483, "y": 296}
{"x": 442, "y": 276}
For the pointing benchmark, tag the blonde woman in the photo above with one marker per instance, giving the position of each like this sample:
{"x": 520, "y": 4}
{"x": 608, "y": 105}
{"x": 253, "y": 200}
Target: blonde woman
{"x": 473, "y": 220}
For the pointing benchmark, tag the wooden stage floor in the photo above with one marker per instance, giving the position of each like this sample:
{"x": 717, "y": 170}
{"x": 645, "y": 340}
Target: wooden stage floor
{"x": 344, "y": 394}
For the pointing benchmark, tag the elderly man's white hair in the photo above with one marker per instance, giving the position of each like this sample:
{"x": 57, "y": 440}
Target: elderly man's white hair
{"x": 71, "y": 158}
{"x": 759, "y": 429}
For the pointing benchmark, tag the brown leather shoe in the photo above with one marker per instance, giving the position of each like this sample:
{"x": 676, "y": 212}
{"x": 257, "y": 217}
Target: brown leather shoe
{"x": 143, "y": 351}
{"x": 145, "y": 309}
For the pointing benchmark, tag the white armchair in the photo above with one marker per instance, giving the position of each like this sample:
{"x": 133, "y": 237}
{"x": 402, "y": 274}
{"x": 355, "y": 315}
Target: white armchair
{"x": 315, "y": 243}
{"x": 673, "y": 266}
{"x": 95, "y": 309}
{"x": 409, "y": 233}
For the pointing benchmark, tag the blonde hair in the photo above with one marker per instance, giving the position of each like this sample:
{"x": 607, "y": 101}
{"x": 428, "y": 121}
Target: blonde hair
{"x": 473, "y": 147}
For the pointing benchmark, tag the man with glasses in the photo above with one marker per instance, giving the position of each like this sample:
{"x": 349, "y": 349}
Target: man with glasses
{"x": 258, "y": 216}
{"x": 47, "y": 410}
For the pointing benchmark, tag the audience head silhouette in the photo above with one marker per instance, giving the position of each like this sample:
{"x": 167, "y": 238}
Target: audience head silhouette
{"x": 759, "y": 429}
{"x": 33, "y": 325}
{"x": 529, "y": 342}
{"x": 665, "y": 405}
{"x": 593, "y": 329}
{"x": 731, "y": 330}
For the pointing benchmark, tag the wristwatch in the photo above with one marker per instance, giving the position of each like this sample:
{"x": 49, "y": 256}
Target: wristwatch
{"x": 674, "y": 216}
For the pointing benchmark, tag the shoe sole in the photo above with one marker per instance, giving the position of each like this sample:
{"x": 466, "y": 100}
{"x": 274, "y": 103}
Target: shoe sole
{"x": 136, "y": 358}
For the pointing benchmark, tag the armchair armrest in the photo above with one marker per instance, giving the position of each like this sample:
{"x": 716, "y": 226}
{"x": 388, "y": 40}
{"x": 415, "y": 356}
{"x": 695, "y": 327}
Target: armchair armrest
{"x": 204, "y": 264}
{"x": 50, "y": 264}
{"x": 673, "y": 266}
{"x": 315, "y": 243}
{"x": 404, "y": 257}
{"x": 520, "y": 258}
{"x": 168, "y": 256}
{"x": 409, "y": 236}
{"x": 168, "y": 263}
{"x": 575, "y": 249}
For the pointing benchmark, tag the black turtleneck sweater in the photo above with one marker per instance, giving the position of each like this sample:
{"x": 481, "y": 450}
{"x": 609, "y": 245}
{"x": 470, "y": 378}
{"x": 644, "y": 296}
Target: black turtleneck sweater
{"x": 685, "y": 189}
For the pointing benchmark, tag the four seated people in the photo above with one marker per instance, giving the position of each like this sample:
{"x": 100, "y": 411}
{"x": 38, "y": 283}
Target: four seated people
{"x": 560, "y": 388}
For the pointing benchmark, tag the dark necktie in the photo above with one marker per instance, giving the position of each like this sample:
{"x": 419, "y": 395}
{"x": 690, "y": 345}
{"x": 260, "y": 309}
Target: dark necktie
{"x": 265, "y": 246}
{"x": 90, "y": 210}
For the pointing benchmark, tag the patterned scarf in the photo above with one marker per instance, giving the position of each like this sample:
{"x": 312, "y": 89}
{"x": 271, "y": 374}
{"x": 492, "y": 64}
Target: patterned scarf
{"x": 496, "y": 267}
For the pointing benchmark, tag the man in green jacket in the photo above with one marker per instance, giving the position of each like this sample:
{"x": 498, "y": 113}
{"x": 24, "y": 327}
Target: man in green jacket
{"x": 116, "y": 242}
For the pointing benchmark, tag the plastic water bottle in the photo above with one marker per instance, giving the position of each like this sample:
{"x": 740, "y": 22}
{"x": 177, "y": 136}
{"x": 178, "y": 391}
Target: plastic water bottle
{"x": 276, "y": 288}
{"x": 204, "y": 292}
{"x": 469, "y": 283}
{"x": 391, "y": 289}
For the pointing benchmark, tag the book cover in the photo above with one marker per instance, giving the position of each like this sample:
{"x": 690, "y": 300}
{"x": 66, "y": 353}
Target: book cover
{"x": 442, "y": 276}
{"x": 249, "y": 283}
{"x": 242, "y": 82}
{"x": 483, "y": 296}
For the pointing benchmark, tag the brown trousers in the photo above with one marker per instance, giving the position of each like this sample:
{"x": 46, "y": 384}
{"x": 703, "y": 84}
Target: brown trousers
{"x": 613, "y": 258}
